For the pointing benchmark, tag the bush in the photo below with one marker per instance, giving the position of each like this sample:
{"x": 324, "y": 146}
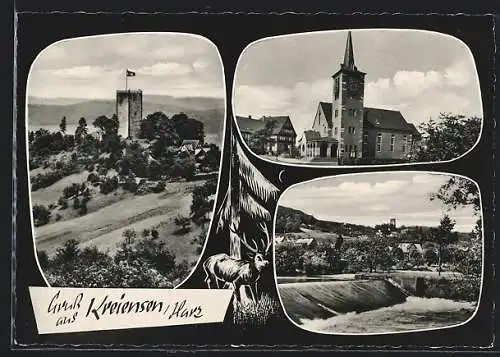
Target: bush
{"x": 76, "y": 202}
{"x": 62, "y": 202}
{"x": 83, "y": 208}
{"x": 466, "y": 288}
{"x": 183, "y": 223}
{"x": 41, "y": 215}
{"x": 130, "y": 184}
{"x": 148, "y": 250}
{"x": 43, "y": 259}
{"x": 71, "y": 190}
{"x": 93, "y": 178}
{"x": 159, "y": 187}
{"x": 109, "y": 185}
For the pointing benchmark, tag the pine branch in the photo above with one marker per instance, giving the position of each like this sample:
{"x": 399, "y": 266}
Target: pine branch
{"x": 259, "y": 185}
{"x": 225, "y": 210}
{"x": 251, "y": 206}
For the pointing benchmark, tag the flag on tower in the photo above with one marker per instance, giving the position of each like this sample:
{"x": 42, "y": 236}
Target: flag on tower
{"x": 130, "y": 73}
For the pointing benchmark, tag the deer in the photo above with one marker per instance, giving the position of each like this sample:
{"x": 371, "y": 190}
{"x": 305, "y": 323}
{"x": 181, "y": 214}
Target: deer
{"x": 238, "y": 272}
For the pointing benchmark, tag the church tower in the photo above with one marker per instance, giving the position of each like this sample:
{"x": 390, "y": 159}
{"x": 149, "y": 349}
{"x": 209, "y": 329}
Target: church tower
{"x": 347, "y": 105}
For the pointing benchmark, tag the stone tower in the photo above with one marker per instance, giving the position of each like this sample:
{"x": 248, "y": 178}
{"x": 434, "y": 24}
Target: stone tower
{"x": 347, "y": 105}
{"x": 129, "y": 110}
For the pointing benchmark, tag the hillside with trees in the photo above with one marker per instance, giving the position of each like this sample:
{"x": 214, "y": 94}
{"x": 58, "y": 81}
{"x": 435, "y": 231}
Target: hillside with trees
{"x": 93, "y": 191}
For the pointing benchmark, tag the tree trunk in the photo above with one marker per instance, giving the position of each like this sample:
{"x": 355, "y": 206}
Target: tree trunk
{"x": 439, "y": 259}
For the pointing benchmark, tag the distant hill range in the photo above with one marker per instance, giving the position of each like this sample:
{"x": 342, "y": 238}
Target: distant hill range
{"x": 49, "y": 112}
{"x": 294, "y": 219}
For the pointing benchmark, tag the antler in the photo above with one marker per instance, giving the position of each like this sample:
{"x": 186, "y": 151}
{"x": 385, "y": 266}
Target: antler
{"x": 244, "y": 241}
{"x": 263, "y": 227}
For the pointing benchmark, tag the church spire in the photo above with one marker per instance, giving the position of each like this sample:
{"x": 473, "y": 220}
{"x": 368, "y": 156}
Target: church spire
{"x": 349, "y": 54}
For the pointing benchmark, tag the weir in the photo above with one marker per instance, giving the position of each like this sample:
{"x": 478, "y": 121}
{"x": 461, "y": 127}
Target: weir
{"x": 324, "y": 299}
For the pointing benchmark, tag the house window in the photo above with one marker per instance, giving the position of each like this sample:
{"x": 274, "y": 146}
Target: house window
{"x": 365, "y": 138}
{"x": 379, "y": 142}
{"x": 351, "y": 130}
{"x": 352, "y": 112}
{"x": 392, "y": 142}
{"x": 403, "y": 148}
{"x": 341, "y": 147}
{"x": 336, "y": 113}
{"x": 335, "y": 131}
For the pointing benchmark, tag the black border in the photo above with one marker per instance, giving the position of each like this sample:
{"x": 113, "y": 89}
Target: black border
{"x": 129, "y": 21}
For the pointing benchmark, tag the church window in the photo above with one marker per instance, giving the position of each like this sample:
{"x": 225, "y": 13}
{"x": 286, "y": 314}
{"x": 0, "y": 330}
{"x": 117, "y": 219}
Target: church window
{"x": 392, "y": 142}
{"x": 379, "y": 142}
{"x": 351, "y": 130}
{"x": 403, "y": 148}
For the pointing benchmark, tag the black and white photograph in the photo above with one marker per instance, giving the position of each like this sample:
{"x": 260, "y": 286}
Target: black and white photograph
{"x": 380, "y": 253}
{"x": 124, "y": 136}
{"x": 360, "y": 97}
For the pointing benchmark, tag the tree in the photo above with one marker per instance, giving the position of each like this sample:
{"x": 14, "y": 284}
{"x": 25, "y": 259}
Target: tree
{"x": 188, "y": 128}
{"x": 202, "y": 204}
{"x": 288, "y": 260}
{"x": 107, "y": 126}
{"x": 246, "y": 206}
{"x": 157, "y": 126}
{"x": 385, "y": 228}
{"x": 81, "y": 131}
{"x": 314, "y": 263}
{"x": 212, "y": 157}
{"x": 430, "y": 256}
{"x": 443, "y": 236}
{"x": 260, "y": 140}
{"x": 397, "y": 255}
{"x": 62, "y": 125}
{"x": 447, "y": 138}
{"x": 129, "y": 235}
{"x": 41, "y": 215}
{"x": 183, "y": 222}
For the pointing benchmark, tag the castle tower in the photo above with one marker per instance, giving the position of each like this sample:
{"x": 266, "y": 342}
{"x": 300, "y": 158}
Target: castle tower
{"x": 348, "y": 104}
{"x": 129, "y": 110}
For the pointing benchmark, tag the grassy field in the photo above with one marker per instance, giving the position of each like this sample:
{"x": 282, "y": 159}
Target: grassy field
{"x": 110, "y": 215}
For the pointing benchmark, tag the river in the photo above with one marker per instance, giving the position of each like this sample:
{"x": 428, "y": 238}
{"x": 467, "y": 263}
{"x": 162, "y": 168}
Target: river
{"x": 360, "y": 306}
{"x": 413, "y": 314}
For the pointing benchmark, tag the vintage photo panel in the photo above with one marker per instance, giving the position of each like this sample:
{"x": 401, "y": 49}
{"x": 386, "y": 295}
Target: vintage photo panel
{"x": 380, "y": 253}
{"x": 360, "y": 97}
{"x": 124, "y": 136}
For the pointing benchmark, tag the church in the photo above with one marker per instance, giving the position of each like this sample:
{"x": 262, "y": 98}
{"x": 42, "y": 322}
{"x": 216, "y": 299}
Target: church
{"x": 347, "y": 131}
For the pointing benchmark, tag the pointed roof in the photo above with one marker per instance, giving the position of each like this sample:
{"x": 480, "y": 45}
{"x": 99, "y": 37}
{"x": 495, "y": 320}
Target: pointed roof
{"x": 348, "y": 64}
{"x": 327, "y": 110}
{"x": 248, "y": 124}
{"x": 349, "y": 54}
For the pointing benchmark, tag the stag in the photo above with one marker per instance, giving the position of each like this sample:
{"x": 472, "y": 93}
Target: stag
{"x": 238, "y": 272}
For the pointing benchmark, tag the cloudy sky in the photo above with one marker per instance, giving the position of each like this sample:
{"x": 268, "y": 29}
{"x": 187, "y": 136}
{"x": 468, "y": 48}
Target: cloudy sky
{"x": 419, "y": 73}
{"x": 374, "y": 198}
{"x": 179, "y": 65}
